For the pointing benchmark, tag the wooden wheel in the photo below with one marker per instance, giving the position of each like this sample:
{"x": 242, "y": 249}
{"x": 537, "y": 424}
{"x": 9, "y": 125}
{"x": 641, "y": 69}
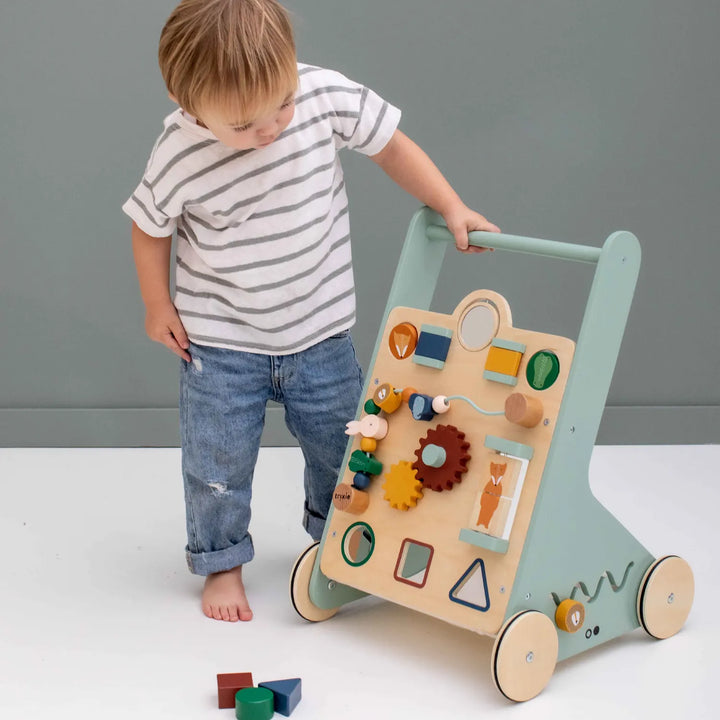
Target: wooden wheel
{"x": 665, "y": 597}
{"x": 300, "y": 588}
{"x": 524, "y": 655}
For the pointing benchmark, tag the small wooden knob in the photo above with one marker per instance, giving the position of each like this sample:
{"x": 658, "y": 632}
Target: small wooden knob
{"x": 350, "y": 499}
{"x": 434, "y": 455}
{"x": 570, "y": 615}
{"x": 524, "y": 410}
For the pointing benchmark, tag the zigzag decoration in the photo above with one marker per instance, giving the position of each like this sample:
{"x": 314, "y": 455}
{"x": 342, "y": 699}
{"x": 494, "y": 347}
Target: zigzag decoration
{"x": 582, "y": 587}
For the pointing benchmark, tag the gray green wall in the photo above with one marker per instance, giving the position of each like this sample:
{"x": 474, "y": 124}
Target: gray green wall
{"x": 559, "y": 119}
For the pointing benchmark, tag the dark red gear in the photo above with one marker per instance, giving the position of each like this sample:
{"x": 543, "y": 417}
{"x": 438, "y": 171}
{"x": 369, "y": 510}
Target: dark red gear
{"x": 453, "y": 442}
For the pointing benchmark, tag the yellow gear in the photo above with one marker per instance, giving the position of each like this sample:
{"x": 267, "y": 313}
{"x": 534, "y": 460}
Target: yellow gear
{"x": 402, "y": 488}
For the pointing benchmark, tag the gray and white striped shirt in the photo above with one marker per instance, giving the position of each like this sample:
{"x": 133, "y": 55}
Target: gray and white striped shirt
{"x": 263, "y": 239}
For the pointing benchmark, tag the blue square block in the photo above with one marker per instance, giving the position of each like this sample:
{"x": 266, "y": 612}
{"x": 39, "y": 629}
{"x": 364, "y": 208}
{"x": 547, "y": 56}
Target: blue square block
{"x": 433, "y": 346}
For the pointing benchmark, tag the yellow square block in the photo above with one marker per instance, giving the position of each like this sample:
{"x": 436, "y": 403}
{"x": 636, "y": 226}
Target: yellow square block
{"x": 503, "y": 361}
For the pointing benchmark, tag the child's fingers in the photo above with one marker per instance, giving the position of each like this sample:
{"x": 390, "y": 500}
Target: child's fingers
{"x": 170, "y": 340}
{"x": 485, "y": 226}
{"x": 178, "y": 331}
{"x": 462, "y": 242}
{"x": 172, "y": 344}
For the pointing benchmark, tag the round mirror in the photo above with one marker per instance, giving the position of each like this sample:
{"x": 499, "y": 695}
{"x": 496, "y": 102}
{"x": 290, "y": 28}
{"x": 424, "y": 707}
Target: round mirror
{"x": 358, "y": 544}
{"x": 479, "y": 325}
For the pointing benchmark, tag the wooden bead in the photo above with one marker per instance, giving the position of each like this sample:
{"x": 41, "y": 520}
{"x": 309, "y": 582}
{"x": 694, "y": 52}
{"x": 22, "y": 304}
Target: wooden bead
{"x": 361, "y": 481}
{"x": 524, "y": 410}
{"x": 368, "y": 444}
{"x": 440, "y": 404}
{"x": 350, "y": 500}
{"x": 371, "y": 408}
{"x": 406, "y": 393}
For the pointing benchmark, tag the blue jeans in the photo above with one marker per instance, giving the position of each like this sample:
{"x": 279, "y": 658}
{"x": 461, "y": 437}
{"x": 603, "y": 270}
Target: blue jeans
{"x": 223, "y": 394}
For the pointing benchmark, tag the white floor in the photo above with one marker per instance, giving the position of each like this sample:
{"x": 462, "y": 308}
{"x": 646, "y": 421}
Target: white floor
{"x": 100, "y": 619}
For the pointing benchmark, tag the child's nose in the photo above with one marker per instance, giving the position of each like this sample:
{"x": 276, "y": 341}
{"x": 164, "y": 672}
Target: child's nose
{"x": 268, "y": 129}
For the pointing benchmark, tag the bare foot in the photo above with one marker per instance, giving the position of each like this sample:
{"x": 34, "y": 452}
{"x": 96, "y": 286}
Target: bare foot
{"x": 224, "y": 596}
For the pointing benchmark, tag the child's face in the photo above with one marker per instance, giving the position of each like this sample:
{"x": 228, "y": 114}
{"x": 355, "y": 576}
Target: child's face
{"x": 249, "y": 134}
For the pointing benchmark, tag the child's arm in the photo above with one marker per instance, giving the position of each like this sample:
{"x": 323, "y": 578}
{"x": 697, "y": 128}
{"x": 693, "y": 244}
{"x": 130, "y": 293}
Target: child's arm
{"x": 152, "y": 261}
{"x": 408, "y": 165}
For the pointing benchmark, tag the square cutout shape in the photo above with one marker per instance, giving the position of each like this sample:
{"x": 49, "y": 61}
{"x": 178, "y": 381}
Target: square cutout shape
{"x": 413, "y": 563}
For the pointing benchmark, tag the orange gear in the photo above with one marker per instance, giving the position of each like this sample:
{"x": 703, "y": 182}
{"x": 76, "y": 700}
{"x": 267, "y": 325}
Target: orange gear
{"x": 452, "y": 440}
{"x": 402, "y": 488}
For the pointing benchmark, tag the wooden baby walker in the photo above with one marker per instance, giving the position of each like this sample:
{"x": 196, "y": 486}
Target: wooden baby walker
{"x": 465, "y": 491}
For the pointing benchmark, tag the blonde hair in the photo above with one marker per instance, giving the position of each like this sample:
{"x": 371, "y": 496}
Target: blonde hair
{"x": 233, "y": 55}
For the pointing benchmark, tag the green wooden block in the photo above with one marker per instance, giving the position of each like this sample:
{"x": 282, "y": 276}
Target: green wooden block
{"x": 429, "y": 362}
{"x": 508, "y": 345}
{"x": 254, "y": 704}
{"x": 509, "y": 447}
{"x": 500, "y": 377}
{"x": 481, "y": 540}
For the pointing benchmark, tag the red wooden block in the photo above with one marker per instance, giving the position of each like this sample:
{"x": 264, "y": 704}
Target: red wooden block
{"x": 229, "y": 684}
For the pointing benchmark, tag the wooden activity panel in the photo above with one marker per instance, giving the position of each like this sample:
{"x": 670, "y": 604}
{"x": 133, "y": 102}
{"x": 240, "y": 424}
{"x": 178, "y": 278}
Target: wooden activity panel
{"x": 447, "y": 458}
{"x": 465, "y": 493}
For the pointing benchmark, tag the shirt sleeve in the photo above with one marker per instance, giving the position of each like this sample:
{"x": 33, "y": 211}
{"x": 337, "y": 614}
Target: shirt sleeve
{"x": 150, "y": 215}
{"x": 362, "y": 120}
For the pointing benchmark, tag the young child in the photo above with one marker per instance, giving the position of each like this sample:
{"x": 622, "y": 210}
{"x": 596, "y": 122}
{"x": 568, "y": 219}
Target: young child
{"x": 246, "y": 173}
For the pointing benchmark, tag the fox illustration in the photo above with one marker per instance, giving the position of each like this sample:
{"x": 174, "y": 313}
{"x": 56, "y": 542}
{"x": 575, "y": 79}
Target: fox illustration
{"x": 491, "y": 494}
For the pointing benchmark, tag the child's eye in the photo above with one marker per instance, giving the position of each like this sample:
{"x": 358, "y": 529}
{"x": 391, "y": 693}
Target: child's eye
{"x": 242, "y": 128}
{"x": 287, "y": 104}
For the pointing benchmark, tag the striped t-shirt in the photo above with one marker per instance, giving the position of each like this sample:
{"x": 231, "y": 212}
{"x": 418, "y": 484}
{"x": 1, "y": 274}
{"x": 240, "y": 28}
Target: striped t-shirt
{"x": 263, "y": 241}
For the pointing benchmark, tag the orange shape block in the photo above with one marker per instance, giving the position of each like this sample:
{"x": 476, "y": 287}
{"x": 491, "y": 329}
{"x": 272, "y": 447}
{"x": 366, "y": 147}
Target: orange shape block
{"x": 506, "y": 362}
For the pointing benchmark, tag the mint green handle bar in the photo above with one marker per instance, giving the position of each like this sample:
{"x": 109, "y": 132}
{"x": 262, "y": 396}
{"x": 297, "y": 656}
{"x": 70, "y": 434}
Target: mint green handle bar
{"x": 516, "y": 243}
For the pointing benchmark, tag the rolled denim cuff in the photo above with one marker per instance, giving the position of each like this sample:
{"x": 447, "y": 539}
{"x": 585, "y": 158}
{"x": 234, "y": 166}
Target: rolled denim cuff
{"x": 313, "y": 523}
{"x": 220, "y": 560}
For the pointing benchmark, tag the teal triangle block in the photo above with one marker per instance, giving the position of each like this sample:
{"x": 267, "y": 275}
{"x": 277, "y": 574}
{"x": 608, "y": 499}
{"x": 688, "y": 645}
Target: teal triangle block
{"x": 287, "y": 694}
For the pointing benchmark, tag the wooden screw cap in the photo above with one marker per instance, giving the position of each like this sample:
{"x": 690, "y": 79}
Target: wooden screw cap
{"x": 570, "y": 615}
{"x": 350, "y": 500}
{"x": 524, "y": 410}
{"x": 387, "y": 399}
